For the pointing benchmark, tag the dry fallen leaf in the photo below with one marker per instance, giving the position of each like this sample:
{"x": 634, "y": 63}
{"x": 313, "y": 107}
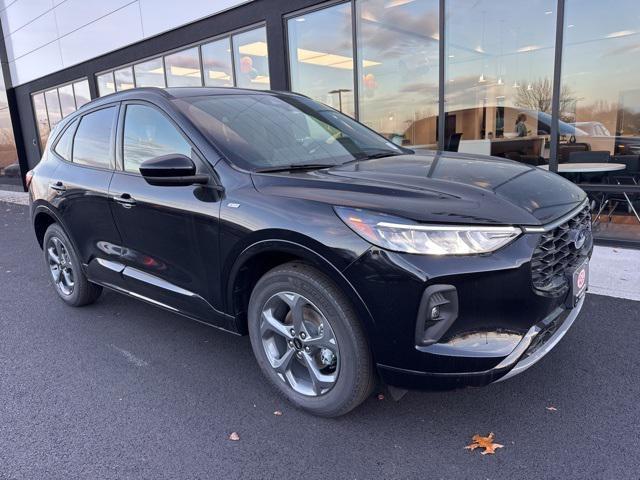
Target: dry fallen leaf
{"x": 551, "y": 409}
{"x": 380, "y": 396}
{"x": 484, "y": 442}
{"x": 234, "y": 437}
{"x": 277, "y": 413}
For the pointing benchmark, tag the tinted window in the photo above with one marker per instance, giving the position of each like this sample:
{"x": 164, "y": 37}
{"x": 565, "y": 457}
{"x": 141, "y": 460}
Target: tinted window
{"x": 264, "y": 131}
{"x": 64, "y": 145}
{"x": 149, "y": 134}
{"x": 93, "y": 140}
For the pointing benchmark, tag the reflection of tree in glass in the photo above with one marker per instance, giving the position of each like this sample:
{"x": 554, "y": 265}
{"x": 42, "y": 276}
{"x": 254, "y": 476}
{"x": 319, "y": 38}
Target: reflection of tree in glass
{"x": 537, "y": 95}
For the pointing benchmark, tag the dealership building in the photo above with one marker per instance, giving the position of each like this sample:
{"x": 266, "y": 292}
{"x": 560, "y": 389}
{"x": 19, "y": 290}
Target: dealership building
{"x": 544, "y": 82}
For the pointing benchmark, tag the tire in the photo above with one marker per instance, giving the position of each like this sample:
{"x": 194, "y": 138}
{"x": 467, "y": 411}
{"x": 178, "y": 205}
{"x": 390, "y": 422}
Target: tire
{"x": 344, "y": 362}
{"x": 72, "y": 286}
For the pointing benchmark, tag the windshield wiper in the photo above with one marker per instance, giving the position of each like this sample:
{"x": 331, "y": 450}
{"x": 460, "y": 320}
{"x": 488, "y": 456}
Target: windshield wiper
{"x": 373, "y": 156}
{"x": 292, "y": 167}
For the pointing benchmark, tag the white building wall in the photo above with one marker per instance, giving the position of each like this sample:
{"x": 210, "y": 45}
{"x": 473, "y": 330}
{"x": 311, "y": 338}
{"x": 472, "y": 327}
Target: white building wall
{"x": 43, "y": 36}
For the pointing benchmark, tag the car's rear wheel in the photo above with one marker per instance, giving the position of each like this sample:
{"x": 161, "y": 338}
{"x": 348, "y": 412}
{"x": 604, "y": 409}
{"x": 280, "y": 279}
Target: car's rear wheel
{"x": 63, "y": 262}
{"x": 308, "y": 340}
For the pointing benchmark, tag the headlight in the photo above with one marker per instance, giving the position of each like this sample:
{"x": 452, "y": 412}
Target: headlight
{"x": 403, "y": 235}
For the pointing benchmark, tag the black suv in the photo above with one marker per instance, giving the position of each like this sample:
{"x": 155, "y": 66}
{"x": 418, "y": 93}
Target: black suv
{"x": 341, "y": 254}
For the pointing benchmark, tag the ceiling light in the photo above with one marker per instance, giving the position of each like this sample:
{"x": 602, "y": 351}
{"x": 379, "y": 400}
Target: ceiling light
{"x": 548, "y": 12}
{"x": 216, "y": 75}
{"x": 529, "y": 48}
{"x": 262, "y": 79}
{"x": 255, "y": 49}
{"x": 621, "y": 33}
{"x": 397, "y": 3}
{"x": 300, "y": 19}
{"x": 184, "y": 71}
{"x": 570, "y": 26}
{"x": 330, "y": 60}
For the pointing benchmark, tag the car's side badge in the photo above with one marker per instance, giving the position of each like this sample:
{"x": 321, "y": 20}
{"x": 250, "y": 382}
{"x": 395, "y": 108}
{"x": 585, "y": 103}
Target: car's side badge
{"x": 233, "y": 205}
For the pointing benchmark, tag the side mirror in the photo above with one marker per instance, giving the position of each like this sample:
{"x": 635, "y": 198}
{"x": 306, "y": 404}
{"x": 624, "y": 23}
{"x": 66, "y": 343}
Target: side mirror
{"x": 171, "y": 170}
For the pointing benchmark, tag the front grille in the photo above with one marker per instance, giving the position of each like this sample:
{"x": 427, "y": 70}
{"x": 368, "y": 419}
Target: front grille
{"x": 556, "y": 253}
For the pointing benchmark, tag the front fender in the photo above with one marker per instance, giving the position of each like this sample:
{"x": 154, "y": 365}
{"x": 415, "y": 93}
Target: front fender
{"x": 302, "y": 249}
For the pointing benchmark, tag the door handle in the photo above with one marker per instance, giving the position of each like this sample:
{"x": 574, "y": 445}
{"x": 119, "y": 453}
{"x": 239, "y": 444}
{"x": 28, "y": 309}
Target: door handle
{"x": 125, "y": 200}
{"x": 58, "y": 187}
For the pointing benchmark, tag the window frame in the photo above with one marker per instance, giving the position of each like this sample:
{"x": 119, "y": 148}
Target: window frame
{"x": 197, "y": 155}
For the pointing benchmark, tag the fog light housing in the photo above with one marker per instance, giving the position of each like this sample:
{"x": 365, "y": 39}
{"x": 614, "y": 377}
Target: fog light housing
{"x": 438, "y": 310}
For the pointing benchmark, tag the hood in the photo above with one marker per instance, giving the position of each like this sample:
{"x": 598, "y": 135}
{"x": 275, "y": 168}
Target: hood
{"x": 441, "y": 187}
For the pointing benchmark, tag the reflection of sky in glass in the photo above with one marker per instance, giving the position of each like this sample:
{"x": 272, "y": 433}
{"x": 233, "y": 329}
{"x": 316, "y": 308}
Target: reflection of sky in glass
{"x": 81, "y": 90}
{"x": 398, "y": 55}
{"x": 601, "y": 66}
{"x": 106, "y": 84}
{"x": 124, "y": 79}
{"x": 53, "y": 107}
{"x": 67, "y": 102}
{"x": 321, "y": 56}
{"x": 496, "y": 49}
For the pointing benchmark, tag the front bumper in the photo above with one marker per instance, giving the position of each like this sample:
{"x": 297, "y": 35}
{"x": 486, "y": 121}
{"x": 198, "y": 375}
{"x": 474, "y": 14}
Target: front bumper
{"x": 502, "y": 325}
{"x": 534, "y": 345}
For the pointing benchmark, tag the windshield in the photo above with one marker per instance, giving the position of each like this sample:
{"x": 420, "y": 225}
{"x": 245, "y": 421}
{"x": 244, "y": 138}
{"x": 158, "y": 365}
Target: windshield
{"x": 262, "y": 131}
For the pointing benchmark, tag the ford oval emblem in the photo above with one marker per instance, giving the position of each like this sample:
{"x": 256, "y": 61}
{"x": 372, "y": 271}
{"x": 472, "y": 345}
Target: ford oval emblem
{"x": 579, "y": 238}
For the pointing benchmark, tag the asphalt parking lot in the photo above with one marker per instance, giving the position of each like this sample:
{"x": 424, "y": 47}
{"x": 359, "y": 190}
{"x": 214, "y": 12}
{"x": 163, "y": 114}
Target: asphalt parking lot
{"x": 121, "y": 389}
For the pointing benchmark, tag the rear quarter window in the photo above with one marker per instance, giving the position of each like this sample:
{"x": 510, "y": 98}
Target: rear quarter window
{"x": 65, "y": 144}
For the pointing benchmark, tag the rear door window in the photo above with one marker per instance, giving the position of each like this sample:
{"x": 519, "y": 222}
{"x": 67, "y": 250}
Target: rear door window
{"x": 93, "y": 143}
{"x": 149, "y": 134}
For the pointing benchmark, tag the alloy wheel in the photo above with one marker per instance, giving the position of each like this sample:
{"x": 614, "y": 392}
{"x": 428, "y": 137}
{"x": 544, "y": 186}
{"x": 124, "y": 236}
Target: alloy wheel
{"x": 60, "y": 266}
{"x": 300, "y": 344}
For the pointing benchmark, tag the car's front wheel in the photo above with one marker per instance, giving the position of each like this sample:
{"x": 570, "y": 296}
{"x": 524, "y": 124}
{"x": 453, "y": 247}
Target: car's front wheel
{"x": 308, "y": 340}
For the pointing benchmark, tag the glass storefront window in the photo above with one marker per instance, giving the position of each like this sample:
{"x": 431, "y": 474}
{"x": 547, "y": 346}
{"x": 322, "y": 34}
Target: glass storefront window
{"x": 53, "y": 107}
{"x": 251, "y": 59}
{"x": 398, "y": 69}
{"x": 149, "y": 73}
{"x": 42, "y": 120}
{"x": 183, "y": 68}
{"x": 499, "y": 77}
{"x": 81, "y": 92}
{"x": 216, "y": 64}
{"x": 123, "y": 79}
{"x": 321, "y": 56}
{"x": 9, "y": 168}
{"x": 67, "y": 100}
{"x": 601, "y": 101}
{"x": 106, "y": 84}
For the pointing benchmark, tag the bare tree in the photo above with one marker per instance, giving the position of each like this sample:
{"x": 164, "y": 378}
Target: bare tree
{"x": 537, "y": 96}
